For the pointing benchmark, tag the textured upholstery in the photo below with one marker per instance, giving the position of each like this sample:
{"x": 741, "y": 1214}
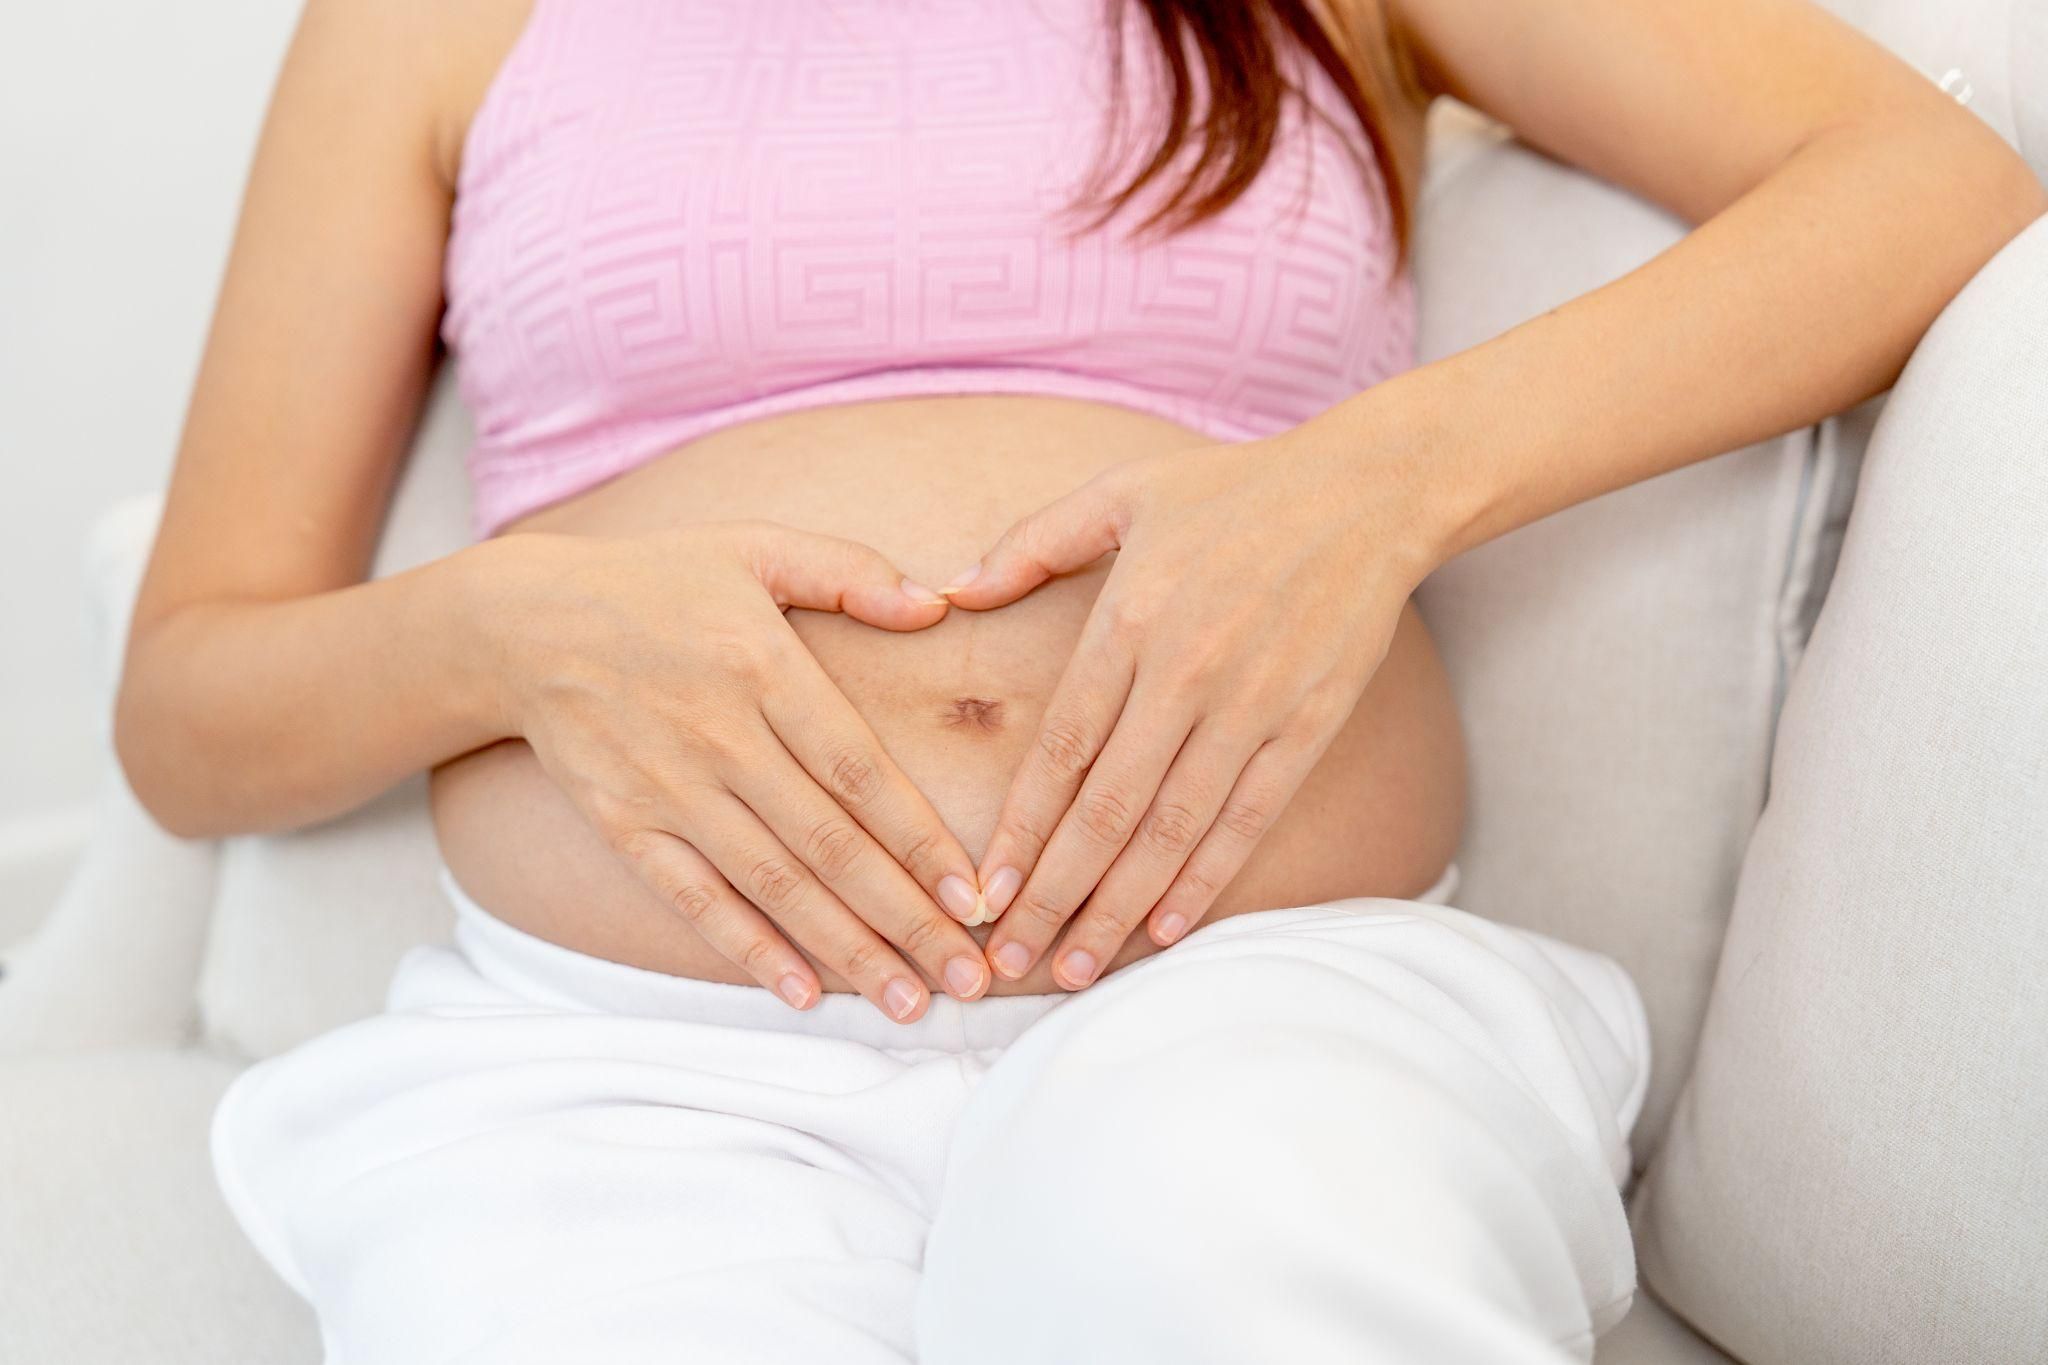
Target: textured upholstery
{"x": 1857, "y": 1170}
{"x": 1617, "y": 665}
{"x": 115, "y": 1247}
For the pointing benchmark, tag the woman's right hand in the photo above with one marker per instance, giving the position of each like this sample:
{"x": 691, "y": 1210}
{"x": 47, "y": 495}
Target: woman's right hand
{"x": 659, "y": 684}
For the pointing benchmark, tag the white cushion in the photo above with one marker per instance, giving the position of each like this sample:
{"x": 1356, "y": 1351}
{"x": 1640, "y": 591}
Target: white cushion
{"x": 1859, "y": 1167}
{"x": 115, "y": 1247}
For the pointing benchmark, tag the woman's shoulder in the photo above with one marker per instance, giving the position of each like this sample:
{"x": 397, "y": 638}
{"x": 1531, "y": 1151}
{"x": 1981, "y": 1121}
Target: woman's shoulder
{"x": 436, "y": 57}
{"x": 472, "y": 39}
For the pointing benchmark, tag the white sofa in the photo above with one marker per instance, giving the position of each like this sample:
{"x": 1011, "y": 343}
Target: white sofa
{"x": 1807, "y": 806}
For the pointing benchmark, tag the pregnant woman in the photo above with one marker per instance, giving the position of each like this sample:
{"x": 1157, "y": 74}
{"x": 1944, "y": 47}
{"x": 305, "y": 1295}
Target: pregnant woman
{"x": 1053, "y": 966}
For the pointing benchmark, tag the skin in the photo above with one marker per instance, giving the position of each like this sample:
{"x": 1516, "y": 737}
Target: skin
{"x": 268, "y": 685}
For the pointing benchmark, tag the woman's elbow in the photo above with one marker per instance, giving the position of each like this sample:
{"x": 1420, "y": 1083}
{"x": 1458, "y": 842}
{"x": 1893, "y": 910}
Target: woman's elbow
{"x": 2026, "y": 196}
{"x": 139, "y": 748}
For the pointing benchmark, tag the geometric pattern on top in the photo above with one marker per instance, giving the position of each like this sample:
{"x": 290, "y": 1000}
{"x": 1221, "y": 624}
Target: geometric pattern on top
{"x": 675, "y": 215}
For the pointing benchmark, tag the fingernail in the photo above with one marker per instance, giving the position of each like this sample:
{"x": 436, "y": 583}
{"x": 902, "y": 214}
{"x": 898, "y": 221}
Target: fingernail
{"x": 1171, "y": 927}
{"x": 957, "y": 896}
{"x": 968, "y": 575}
{"x": 920, "y": 594}
{"x": 1078, "y": 966}
{"x": 964, "y": 976}
{"x": 1002, "y": 889}
{"x": 899, "y": 997}
{"x": 794, "y": 989}
{"x": 1013, "y": 960}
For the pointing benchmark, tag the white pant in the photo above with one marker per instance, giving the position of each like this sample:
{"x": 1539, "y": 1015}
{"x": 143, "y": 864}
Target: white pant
{"x": 1365, "y": 1131}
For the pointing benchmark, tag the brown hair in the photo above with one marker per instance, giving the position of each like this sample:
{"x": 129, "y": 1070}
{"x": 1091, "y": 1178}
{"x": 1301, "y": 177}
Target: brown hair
{"x": 1239, "y": 43}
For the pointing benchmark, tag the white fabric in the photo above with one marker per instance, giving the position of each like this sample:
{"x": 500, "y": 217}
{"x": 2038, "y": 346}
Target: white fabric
{"x": 1365, "y": 1130}
{"x": 1856, "y": 1175}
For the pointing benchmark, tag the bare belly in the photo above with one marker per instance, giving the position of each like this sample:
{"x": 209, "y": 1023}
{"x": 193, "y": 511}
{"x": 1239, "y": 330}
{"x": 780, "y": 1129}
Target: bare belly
{"x": 931, "y": 482}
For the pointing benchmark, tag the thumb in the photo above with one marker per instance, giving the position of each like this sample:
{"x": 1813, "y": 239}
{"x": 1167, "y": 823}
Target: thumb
{"x": 827, "y": 573}
{"x": 1070, "y": 533}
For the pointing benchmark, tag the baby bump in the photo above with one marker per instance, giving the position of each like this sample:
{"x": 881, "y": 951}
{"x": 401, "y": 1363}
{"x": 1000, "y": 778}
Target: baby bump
{"x": 956, "y": 706}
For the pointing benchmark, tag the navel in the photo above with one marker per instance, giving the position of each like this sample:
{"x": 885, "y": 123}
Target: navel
{"x": 982, "y": 714}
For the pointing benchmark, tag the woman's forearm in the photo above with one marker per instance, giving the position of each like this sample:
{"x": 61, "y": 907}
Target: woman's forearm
{"x": 1800, "y": 299}
{"x": 236, "y": 717}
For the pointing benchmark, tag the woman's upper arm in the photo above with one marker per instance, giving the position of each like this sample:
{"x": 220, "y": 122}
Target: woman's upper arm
{"x": 1690, "y": 103}
{"x": 322, "y": 340}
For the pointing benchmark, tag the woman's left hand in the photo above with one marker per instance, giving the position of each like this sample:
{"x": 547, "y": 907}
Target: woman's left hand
{"x": 1256, "y": 590}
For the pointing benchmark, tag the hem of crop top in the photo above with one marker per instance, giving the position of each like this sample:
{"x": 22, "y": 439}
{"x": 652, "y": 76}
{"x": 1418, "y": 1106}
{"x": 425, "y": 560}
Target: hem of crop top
{"x": 576, "y": 461}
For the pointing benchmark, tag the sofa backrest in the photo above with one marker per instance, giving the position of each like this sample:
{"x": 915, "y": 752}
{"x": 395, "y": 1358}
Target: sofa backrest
{"x": 1619, "y": 665}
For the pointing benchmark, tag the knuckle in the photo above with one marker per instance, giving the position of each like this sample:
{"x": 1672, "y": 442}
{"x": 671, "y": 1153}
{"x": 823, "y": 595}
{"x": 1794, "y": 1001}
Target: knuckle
{"x": 924, "y": 934}
{"x": 919, "y": 854}
{"x": 1171, "y": 829}
{"x": 1065, "y": 747}
{"x": 865, "y": 962}
{"x": 626, "y": 839}
{"x": 733, "y": 653}
{"x": 1190, "y": 679}
{"x": 1196, "y": 883}
{"x": 832, "y": 847}
{"x": 1104, "y": 816}
{"x": 773, "y": 884}
{"x": 1104, "y": 922}
{"x": 855, "y": 777}
{"x": 1127, "y": 614}
{"x": 757, "y": 956}
{"x": 716, "y": 738}
{"x": 694, "y": 901}
{"x": 1245, "y": 817}
{"x": 1041, "y": 911}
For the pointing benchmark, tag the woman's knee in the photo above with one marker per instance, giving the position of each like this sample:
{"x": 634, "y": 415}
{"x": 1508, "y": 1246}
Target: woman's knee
{"x": 1180, "y": 1157}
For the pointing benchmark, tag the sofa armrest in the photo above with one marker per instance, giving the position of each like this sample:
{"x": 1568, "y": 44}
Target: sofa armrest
{"x": 1855, "y": 1171}
{"x": 115, "y": 962}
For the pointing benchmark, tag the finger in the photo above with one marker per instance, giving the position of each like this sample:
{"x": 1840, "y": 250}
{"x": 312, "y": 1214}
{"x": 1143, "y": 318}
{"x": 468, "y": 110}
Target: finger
{"x": 761, "y": 868}
{"x": 1091, "y": 833}
{"x": 1085, "y": 707}
{"x": 815, "y": 722}
{"x": 1062, "y": 536}
{"x": 826, "y": 573}
{"x": 1262, "y": 791}
{"x": 688, "y": 884}
{"x": 858, "y": 870}
{"x": 1182, "y": 812}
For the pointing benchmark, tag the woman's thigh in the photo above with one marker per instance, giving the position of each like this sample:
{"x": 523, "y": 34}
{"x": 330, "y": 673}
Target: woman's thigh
{"x": 1304, "y": 1135}
{"x": 494, "y": 1179}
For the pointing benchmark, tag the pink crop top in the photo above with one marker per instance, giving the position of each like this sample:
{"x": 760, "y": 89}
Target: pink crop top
{"x": 672, "y": 217}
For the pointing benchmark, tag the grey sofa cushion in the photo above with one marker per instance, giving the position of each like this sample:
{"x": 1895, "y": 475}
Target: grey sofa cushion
{"x": 1858, "y": 1171}
{"x": 119, "y": 1247}
{"x": 1617, "y": 665}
